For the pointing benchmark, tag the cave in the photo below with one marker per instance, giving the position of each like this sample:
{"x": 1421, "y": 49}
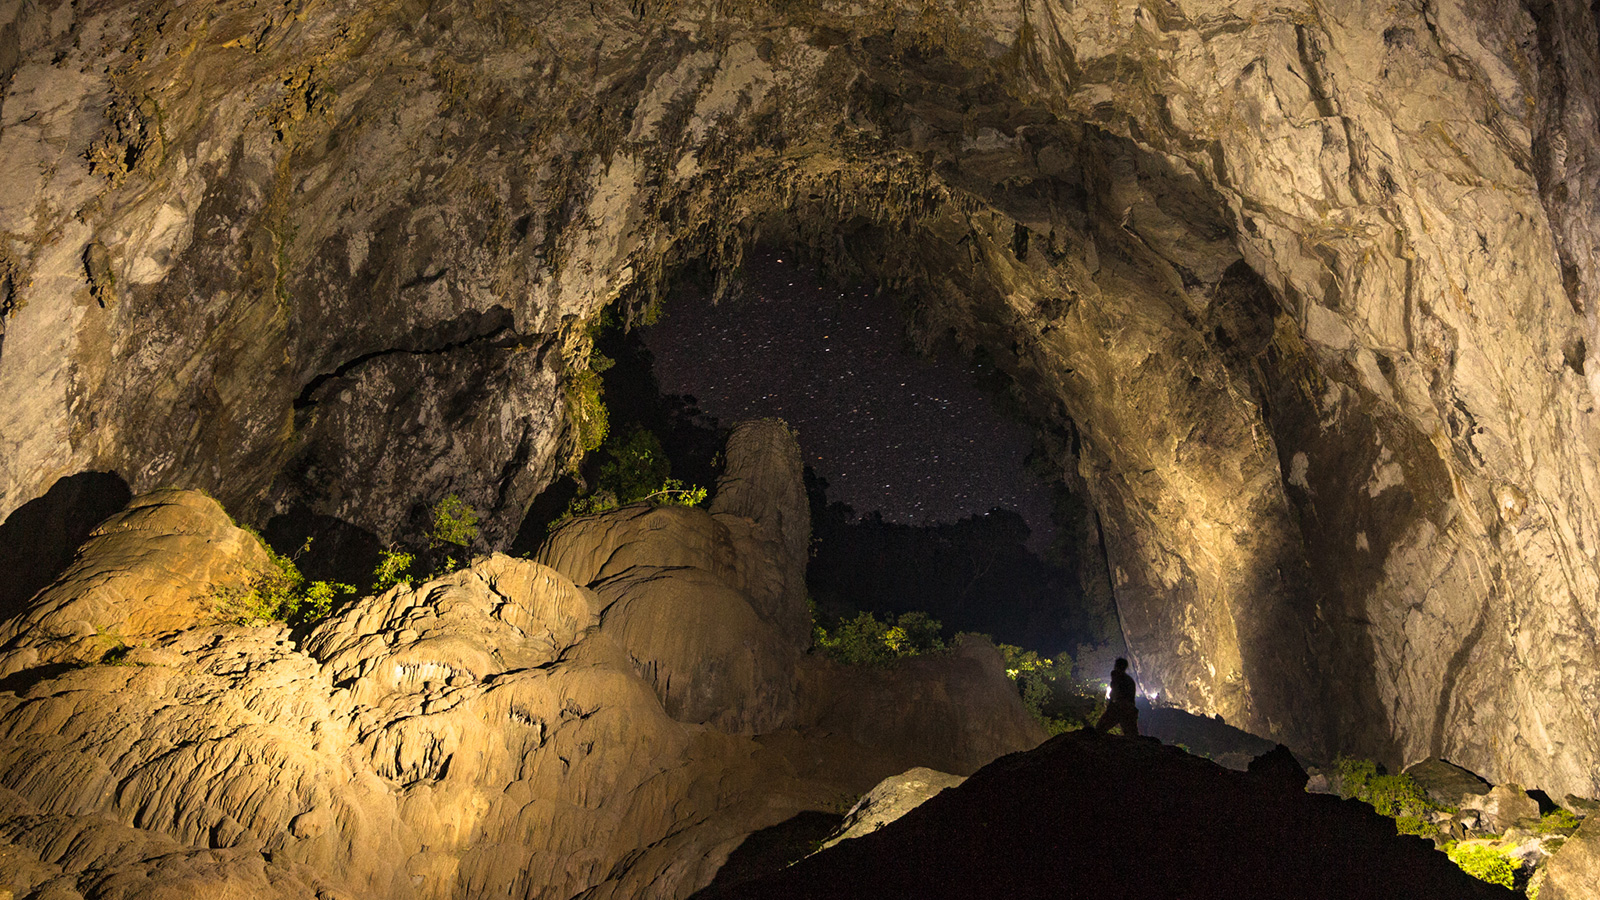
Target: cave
{"x": 1294, "y": 301}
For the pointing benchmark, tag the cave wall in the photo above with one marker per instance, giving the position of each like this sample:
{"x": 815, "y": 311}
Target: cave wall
{"x": 1314, "y": 282}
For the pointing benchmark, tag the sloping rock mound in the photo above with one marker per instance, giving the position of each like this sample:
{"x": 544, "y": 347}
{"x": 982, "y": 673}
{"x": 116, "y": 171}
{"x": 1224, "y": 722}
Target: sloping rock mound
{"x": 953, "y": 711}
{"x": 892, "y": 798}
{"x": 1097, "y": 816}
{"x": 499, "y": 731}
{"x": 150, "y": 569}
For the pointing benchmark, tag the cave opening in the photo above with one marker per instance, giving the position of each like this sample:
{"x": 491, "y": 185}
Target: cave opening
{"x": 932, "y": 489}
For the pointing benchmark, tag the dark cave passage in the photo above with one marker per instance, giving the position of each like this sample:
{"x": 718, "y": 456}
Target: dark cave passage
{"x": 927, "y": 486}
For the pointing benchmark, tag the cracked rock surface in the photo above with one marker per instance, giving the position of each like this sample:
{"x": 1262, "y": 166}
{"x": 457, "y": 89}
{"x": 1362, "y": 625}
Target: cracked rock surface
{"x": 488, "y": 733}
{"x": 1308, "y": 288}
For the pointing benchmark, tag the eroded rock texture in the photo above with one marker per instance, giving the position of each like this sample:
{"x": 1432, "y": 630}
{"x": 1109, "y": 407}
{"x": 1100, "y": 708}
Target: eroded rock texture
{"x": 1304, "y": 290}
{"x": 500, "y": 731}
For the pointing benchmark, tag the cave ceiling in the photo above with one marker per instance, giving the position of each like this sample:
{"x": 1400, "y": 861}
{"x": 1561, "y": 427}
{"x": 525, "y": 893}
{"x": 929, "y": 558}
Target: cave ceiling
{"x": 1313, "y": 283}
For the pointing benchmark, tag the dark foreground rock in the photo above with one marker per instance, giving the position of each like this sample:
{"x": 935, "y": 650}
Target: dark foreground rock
{"x": 1091, "y": 815}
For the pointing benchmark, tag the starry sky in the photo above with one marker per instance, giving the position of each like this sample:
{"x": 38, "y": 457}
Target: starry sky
{"x": 911, "y": 437}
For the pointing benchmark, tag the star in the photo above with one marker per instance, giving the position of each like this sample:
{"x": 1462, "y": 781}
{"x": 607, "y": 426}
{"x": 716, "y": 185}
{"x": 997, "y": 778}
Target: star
{"x": 911, "y": 437}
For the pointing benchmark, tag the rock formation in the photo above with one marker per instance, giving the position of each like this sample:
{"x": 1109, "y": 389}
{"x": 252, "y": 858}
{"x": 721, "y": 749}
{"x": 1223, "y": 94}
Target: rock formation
{"x": 1092, "y": 815}
{"x": 1305, "y": 291}
{"x": 497, "y": 731}
{"x": 1574, "y": 872}
{"x": 892, "y": 798}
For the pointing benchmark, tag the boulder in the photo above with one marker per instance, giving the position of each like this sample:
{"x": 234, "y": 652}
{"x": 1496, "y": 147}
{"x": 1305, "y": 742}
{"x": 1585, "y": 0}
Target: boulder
{"x": 1582, "y": 807}
{"x": 154, "y": 568}
{"x": 892, "y": 798}
{"x": 1279, "y": 767}
{"x": 1445, "y": 783}
{"x": 1573, "y": 873}
{"x": 1503, "y": 806}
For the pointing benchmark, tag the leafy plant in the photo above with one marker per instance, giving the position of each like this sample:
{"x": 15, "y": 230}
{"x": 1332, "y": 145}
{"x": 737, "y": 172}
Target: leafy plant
{"x": 1484, "y": 863}
{"x": 1559, "y": 822}
{"x": 1399, "y": 797}
{"x": 636, "y": 470}
{"x": 393, "y": 568}
{"x": 864, "y": 640}
{"x": 1354, "y": 776}
{"x": 280, "y": 594}
{"x": 454, "y": 522}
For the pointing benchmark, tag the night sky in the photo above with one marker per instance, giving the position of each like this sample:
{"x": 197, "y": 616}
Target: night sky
{"x": 890, "y": 430}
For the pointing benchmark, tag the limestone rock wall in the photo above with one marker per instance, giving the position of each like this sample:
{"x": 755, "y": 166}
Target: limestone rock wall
{"x": 1314, "y": 283}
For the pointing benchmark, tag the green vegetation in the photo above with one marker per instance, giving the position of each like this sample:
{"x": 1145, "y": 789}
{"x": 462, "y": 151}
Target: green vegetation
{"x": 281, "y": 594}
{"x": 1484, "y": 863}
{"x": 393, "y": 568}
{"x": 1036, "y": 679}
{"x": 454, "y": 522}
{"x": 1397, "y": 796}
{"x": 584, "y": 390}
{"x": 1048, "y": 690}
{"x": 1558, "y": 822}
{"x": 865, "y": 641}
{"x": 636, "y": 470}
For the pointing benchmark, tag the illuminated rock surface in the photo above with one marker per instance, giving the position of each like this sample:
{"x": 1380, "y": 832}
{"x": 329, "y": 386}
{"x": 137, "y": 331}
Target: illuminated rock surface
{"x": 1314, "y": 284}
{"x": 1574, "y": 872}
{"x": 892, "y": 798}
{"x": 488, "y": 733}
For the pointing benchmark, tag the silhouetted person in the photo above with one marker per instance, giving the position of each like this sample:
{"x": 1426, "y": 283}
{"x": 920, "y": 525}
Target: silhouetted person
{"x": 1120, "y": 710}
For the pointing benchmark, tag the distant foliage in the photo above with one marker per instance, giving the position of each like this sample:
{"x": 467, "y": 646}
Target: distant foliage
{"x": 636, "y": 470}
{"x": 1036, "y": 680}
{"x": 976, "y": 574}
{"x": 1484, "y": 863}
{"x": 281, "y": 594}
{"x": 1058, "y": 700}
{"x": 865, "y": 641}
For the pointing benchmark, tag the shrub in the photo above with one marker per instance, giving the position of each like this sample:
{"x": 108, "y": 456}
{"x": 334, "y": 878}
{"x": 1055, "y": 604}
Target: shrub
{"x": 1558, "y": 822}
{"x": 1354, "y": 775}
{"x": 1399, "y": 797}
{"x": 454, "y": 522}
{"x": 1484, "y": 863}
{"x": 636, "y": 470}
{"x": 393, "y": 568}
{"x": 280, "y": 594}
{"x": 864, "y": 640}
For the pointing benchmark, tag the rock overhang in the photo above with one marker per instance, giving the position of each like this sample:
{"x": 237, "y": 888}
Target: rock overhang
{"x": 1070, "y": 190}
